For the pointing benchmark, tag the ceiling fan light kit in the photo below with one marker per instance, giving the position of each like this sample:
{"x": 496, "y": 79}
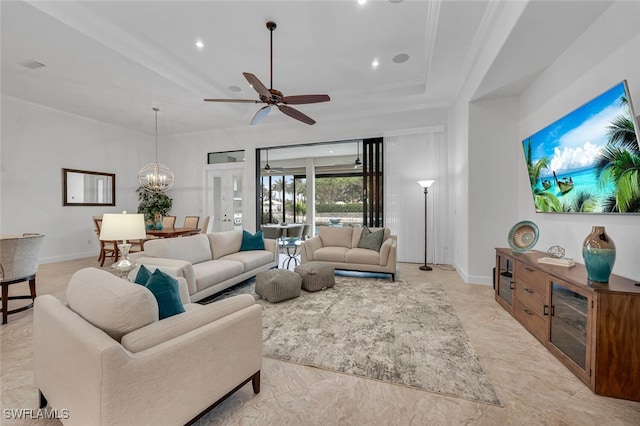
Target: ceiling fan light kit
{"x": 273, "y": 97}
{"x": 156, "y": 177}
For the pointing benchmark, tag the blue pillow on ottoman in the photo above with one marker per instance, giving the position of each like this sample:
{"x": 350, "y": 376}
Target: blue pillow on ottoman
{"x": 165, "y": 289}
{"x": 252, "y": 242}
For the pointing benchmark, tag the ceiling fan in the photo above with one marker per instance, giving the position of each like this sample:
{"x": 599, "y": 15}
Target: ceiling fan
{"x": 357, "y": 164}
{"x": 267, "y": 167}
{"x": 275, "y": 97}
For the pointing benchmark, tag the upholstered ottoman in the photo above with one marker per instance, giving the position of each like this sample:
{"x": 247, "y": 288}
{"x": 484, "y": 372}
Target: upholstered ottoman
{"x": 316, "y": 275}
{"x": 276, "y": 285}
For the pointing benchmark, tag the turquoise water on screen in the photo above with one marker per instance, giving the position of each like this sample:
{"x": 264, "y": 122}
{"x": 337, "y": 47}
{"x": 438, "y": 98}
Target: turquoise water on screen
{"x": 583, "y": 181}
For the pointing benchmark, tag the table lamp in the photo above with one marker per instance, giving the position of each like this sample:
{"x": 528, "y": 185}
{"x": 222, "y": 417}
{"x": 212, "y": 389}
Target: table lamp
{"x": 123, "y": 227}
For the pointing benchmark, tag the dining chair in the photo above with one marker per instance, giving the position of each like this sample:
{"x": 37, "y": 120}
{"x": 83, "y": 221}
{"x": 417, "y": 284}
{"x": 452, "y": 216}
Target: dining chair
{"x": 272, "y": 232}
{"x": 168, "y": 222}
{"x": 205, "y": 225}
{"x": 294, "y": 231}
{"x": 107, "y": 248}
{"x": 306, "y": 231}
{"x": 191, "y": 221}
{"x": 19, "y": 257}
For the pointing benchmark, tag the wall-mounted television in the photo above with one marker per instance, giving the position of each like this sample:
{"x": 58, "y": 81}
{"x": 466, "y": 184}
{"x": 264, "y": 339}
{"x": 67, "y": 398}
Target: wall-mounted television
{"x": 589, "y": 160}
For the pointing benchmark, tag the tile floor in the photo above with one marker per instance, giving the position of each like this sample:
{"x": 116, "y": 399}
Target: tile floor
{"x": 534, "y": 387}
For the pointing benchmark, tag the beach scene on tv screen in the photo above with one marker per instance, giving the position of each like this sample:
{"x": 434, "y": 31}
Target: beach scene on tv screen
{"x": 587, "y": 161}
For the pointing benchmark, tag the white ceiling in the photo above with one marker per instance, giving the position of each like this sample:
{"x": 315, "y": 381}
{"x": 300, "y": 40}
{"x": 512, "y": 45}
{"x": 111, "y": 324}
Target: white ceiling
{"x": 114, "y": 60}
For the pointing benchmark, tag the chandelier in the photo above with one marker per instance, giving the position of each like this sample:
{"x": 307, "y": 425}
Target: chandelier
{"x": 156, "y": 177}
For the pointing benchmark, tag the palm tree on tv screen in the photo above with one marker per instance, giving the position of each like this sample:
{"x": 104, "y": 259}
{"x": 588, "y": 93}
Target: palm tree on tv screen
{"x": 545, "y": 201}
{"x": 619, "y": 162}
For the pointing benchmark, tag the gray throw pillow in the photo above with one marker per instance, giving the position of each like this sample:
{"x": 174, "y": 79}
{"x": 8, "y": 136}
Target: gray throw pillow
{"x": 371, "y": 240}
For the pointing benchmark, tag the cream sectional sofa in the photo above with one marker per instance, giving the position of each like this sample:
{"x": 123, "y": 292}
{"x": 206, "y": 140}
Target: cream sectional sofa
{"x": 209, "y": 263}
{"x": 339, "y": 247}
{"x": 105, "y": 358}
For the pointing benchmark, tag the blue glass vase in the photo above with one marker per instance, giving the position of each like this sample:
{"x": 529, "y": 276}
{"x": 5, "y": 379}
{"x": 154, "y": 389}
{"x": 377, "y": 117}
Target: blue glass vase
{"x": 599, "y": 253}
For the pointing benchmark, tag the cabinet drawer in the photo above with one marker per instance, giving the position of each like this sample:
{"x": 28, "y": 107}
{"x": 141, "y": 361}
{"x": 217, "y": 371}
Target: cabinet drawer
{"x": 536, "y": 324}
{"x": 533, "y": 277}
{"x": 531, "y": 296}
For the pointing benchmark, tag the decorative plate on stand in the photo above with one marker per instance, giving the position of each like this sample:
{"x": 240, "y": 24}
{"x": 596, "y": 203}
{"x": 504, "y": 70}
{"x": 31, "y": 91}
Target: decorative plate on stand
{"x": 523, "y": 236}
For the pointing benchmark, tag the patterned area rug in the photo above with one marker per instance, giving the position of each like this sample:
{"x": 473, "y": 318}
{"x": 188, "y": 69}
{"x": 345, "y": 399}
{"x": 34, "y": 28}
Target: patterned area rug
{"x": 405, "y": 333}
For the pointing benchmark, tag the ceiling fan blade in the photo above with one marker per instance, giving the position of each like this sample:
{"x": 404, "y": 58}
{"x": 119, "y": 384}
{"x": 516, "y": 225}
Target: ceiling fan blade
{"x": 257, "y": 85}
{"x": 260, "y": 115}
{"x": 248, "y": 101}
{"x": 294, "y": 113}
{"x": 305, "y": 99}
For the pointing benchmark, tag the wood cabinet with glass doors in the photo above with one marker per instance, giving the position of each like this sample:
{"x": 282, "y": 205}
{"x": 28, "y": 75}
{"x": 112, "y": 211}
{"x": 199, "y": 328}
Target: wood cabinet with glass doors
{"x": 592, "y": 328}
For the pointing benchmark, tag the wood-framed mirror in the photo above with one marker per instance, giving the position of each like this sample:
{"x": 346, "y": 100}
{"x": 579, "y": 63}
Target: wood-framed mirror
{"x": 88, "y": 188}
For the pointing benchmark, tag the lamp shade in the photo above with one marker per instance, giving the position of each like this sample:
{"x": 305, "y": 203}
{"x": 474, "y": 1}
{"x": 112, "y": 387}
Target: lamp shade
{"x": 426, "y": 183}
{"x": 122, "y": 226}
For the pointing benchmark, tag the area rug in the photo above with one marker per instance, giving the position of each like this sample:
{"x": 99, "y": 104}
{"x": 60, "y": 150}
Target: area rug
{"x": 406, "y": 333}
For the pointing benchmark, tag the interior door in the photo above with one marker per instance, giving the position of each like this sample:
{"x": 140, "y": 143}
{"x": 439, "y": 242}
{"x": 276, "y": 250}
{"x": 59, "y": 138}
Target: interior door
{"x": 225, "y": 189}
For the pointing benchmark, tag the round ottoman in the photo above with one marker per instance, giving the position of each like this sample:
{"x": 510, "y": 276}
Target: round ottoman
{"x": 316, "y": 276}
{"x": 276, "y": 285}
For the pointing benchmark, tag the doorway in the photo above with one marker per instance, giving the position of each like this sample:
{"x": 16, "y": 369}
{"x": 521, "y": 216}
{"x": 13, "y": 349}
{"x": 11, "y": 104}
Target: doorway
{"x": 224, "y": 194}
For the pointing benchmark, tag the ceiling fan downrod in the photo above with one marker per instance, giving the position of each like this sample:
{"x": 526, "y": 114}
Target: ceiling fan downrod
{"x": 271, "y": 26}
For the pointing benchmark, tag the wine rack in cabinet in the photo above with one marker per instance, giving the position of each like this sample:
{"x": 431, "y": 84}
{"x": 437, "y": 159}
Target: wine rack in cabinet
{"x": 592, "y": 328}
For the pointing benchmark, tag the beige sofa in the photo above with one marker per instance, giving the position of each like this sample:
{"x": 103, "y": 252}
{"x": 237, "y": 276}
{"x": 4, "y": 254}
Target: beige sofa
{"x": 104, "y": 358}
{"x": 339, "y": 247}
{"x": 209, "y": 263}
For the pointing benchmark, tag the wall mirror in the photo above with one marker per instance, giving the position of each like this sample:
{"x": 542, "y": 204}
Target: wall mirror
{"x": 87, "y": 188}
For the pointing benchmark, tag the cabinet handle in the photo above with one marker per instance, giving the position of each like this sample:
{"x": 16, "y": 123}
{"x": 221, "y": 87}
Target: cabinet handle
{"x": 527, "y": 311}
{"x": 545, "y": 310}
{"x": 528, "y": 269}
{"x": 511, "y": 283}
{"x": 529, "y": 290}
{"x": 553, "y": 310}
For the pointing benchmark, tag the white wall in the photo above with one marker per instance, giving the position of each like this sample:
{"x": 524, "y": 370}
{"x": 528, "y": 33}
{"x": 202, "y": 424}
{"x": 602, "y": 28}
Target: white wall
{"x": 36, "y": 144}
{"x": 467, "y": 143}
{"x": 565, "y": 86}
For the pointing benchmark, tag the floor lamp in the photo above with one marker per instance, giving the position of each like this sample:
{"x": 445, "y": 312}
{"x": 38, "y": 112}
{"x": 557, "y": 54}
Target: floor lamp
{"x": 425, "y": 184}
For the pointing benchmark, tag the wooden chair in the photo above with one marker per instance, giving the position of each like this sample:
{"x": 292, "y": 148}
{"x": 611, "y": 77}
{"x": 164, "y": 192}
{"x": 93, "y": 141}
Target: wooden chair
{"x": 107, "y": 248}
{"x": 205, "y": 225}
{"x": 168, "y": 222}
{"x": 19, "y": 257}
{"x": 191, "y": 221}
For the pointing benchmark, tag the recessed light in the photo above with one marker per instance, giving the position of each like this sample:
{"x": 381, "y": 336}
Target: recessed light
{"x": 375, "y": 63}
{"x": 32, "y": 64}
{"x": 199, "y": 44}
{"x": 400, "y": 58}
{"x": 361, "y": 2}
{"x": 234, "y": 88}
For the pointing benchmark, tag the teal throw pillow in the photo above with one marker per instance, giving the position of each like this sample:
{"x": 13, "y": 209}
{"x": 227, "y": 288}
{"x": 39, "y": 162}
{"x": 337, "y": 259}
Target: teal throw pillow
{"x": 371, "y": 240}
{"x": 252, "y": 241}
{"x": 142, "y": 276}
{"x": 166, "y": 290}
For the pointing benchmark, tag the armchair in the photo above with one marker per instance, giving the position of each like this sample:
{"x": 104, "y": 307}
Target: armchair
{"x": 18, "y": 263}
{"x": 108, "y": 360}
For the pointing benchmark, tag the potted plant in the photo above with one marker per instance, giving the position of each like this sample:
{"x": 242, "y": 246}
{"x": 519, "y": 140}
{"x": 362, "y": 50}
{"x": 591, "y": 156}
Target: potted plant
{"x": 153, "y": 205}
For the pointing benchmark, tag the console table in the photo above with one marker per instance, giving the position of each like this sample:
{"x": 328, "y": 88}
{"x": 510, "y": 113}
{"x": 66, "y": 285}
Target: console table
{"x": 592, "y": 328}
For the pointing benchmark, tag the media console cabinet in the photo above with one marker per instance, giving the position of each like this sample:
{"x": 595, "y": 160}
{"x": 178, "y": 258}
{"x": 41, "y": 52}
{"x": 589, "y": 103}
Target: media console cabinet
{"x": 592, "y": 328}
